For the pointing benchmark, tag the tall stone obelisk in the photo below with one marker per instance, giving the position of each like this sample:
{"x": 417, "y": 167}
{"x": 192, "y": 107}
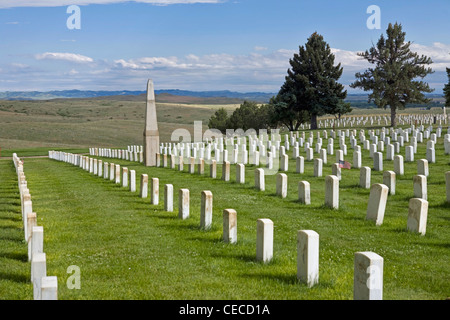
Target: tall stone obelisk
{"x": 151, "y": 133}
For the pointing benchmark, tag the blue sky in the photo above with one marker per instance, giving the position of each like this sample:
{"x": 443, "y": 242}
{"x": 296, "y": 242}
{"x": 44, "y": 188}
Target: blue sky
{"x": 242, "y": 45}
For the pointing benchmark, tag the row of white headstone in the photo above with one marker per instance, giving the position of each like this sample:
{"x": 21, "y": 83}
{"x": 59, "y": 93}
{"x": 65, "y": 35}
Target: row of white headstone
{"x": 132, "y": 153}
{"x": 332, "y": 196}
{"x": 307, "y": 240}
{"x": 402, "y": 119}
{"x": 267, "y": 149}
{"x": 44, "y": 287}
{"x": 261, "y": 147}
{"x": 418, "y": 206}
{"x": 362, "y": 121}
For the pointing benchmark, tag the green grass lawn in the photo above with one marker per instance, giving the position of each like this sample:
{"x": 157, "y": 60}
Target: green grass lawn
{"x": 127, "y": 248}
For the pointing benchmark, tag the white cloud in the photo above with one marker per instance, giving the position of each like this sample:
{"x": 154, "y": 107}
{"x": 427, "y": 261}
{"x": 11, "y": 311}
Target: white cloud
{"x": 72, "y": 57}
{"x": 438, "y": 52}
{"x": 254, "y": 71}
{"x": 59, "y": 3}
{"x": 349, "y": 60}
{"x": 72, "y": 72}
{"x": 19, "y": 65}
{"x": 273, "y": 62}
{"x": 148, "y": 63}
{"x": 258, "y": 48}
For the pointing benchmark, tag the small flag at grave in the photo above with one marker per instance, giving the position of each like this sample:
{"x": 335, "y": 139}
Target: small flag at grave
{"x": 344, "y": 164}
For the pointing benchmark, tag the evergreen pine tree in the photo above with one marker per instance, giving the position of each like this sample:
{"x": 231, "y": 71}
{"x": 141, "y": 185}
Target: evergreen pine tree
{"x": 447, "y": 89}
{"x": 311, "y": 85}
{"x": 392, "y": 80}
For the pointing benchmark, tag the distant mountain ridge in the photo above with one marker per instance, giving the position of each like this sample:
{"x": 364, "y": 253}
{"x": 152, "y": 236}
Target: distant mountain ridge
{"x": 358, "y": 100}
{"x": 67, "y": 94}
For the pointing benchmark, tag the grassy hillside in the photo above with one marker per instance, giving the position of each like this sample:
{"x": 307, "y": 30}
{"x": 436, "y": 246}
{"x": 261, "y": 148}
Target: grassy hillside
{"x": 128, "y": 248}
{"x": 81, "y": 123}
{"x": 76, "y": 124}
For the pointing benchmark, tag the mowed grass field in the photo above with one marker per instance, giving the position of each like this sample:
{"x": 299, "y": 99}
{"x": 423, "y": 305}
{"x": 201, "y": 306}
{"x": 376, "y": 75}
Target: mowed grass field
{"x": 127, "y": 248}
{"x": 34, "y": 127}
{"x": 74, "y": 124}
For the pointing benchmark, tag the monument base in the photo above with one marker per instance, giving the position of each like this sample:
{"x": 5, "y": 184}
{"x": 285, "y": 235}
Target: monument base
{"x": 151, "y": 148}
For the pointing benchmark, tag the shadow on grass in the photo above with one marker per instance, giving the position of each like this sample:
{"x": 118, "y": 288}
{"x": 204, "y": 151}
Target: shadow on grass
{"x": 23, "y": 257}
{"x": 166, "y": 215}
{"x": 288, "y": 279}
{"x": 15, "y": 218}
{"x": 20, "y": 278}
{"x": 10, "y": 195}
{"x": 248, "y": 258}
{"x": 443, "y": 204}
{"x": 12, "y": 238}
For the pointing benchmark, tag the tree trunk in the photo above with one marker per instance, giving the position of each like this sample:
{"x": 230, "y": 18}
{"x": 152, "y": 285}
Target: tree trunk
{"x": 393, "y": 116}
{"x": 313, "y": 121}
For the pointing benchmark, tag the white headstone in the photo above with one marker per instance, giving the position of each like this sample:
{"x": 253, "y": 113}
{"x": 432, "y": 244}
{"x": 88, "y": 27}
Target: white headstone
{"x": 431, "y": 155}
{"x": 378, "y": 161}
{"x": 240, "y": 173}
{"x": 284, "y": 162}
{"x": 377, "y": 203}
{"x": 117, "y": 173}
{"x": 183, "y": 204}
{"x": 49, "y": 288}
{"x": 368, "y": 276}
{"x": 422, "y": 167}
{"x": 318, "y": 167}
{"x": 105, "y": 170}
{"x": 124, "y": 177}
{"x": 132, "y": 180}
{"x": 206, "y": 209}
{"x": 409, "y": 154}
{"x": 37, "y": 240}
{"x": 213, "y": 169}
{"x": 390, "y": 153}
{"x": 229, "y": 226}
{"x": 259, "y": 179}
{"x": 398, "y": 165}
{"x": 300, "y": 164}
{"x": 308, "y": 257}
{"x": 281, "y": 185}
{"x": 389, "y": 181}
{"x": 332, "y": 191}
{"x": 417, "y": 215}
{"x": 304, "y": 192}
{"x": 264, "y": 240}
{"x": 144, "y": 186}
{"x": 31, "y": 222}
{"x": 100, "y": 168}
{"x": 168, "y": 197}
{"x": 364, "y": 177}
{"x": 226, "y": 171}
{"x": 336, "y": 170}
{"x": 357, "y": 159}
{"x": 154, "y": 191}
{"x": 309, "y": 154}
{"x": 420, "y": 186}
{"x": 38, "y": 271}
{"x": 201, "y": 166}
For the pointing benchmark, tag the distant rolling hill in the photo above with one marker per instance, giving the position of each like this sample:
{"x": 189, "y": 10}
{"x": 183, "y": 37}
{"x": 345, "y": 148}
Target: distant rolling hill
{"x": 180, "y": 96}
{"x": 170, "y": 95}
{"x": 171, "y": 98}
